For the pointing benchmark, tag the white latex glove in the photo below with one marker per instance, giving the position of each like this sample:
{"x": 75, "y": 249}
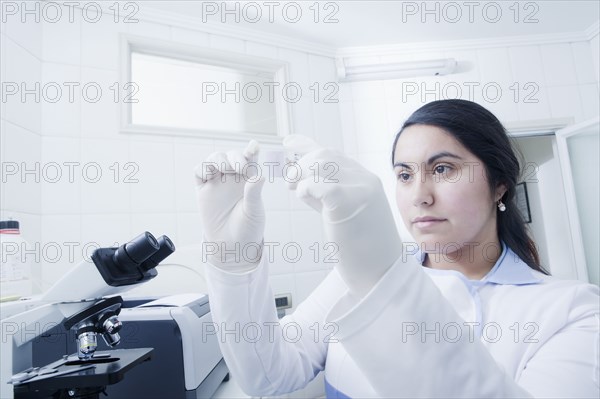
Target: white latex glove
{"x": 231, "y": 209}
{"x": 355, "y": 211}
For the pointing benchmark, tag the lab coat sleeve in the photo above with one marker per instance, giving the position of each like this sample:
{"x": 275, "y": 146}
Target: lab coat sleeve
{"x": 377, "y": 331}
{"x": 268, "y": 356}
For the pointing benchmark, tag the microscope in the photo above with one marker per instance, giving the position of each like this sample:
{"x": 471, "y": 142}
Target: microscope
{"x": 84, "y": 301}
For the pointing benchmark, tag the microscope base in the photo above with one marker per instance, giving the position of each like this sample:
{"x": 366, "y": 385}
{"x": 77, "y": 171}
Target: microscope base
{"x": 86, "y": 383}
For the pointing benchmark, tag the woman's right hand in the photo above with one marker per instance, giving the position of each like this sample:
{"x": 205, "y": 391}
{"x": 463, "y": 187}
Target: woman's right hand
{"x": 231, "y": 209}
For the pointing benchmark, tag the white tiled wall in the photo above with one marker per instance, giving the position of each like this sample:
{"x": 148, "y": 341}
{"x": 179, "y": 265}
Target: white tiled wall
{"x": 147, "y": 182}
{"x": 20, "y": 130}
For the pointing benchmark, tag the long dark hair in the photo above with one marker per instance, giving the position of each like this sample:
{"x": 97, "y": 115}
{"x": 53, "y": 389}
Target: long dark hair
{"x": 482, "y": 134}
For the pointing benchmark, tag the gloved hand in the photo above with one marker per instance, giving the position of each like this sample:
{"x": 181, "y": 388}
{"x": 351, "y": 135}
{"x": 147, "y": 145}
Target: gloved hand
{"x": 231, "y": 209}
{"x": 355, "y": 211}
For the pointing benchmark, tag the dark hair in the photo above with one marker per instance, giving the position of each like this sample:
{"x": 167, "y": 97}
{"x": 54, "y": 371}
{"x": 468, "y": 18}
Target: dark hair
{"x": 482, "y": 134}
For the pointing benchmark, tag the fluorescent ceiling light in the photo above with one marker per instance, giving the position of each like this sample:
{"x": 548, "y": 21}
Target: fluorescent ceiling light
{"x": 400, "y": 70}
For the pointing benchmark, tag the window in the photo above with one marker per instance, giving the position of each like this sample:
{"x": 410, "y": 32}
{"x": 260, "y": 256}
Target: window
{"x": 184, "y": 90}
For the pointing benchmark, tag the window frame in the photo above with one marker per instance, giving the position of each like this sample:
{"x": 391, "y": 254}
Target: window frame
{"x": 185, "y": 52}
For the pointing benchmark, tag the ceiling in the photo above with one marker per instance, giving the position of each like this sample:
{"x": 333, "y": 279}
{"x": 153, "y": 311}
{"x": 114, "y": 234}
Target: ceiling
{"x": 371, "y": 23}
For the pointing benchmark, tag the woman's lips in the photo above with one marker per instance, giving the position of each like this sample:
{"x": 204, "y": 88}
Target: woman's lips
{"x": 426, "y": 222}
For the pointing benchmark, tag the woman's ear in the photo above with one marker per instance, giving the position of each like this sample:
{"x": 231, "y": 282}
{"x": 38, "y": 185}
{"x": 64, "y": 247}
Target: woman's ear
{"x": 500, "y": 191}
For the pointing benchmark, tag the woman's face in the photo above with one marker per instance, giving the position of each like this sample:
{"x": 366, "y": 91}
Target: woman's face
{"x": 442, "y": 191}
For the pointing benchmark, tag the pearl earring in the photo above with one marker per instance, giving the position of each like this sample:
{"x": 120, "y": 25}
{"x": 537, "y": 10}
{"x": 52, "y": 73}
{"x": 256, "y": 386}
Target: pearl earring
{"x": 501, "y": 206}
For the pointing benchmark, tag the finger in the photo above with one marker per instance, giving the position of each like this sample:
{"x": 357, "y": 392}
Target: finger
{"x": 251, "y": 151}
{"x": 253, "y": 205}
{"x": 237, "y": 160}
{"x": 311, "y": 193}
{"x": 213, "y": 167}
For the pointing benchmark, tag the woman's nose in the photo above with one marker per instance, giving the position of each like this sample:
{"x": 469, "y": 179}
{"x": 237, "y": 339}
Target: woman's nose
{"x": 422, "y": 191}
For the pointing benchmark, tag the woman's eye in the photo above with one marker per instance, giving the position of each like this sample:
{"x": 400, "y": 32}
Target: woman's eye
{"x": 402, "y": 176}
{"x": 442, "y": 169}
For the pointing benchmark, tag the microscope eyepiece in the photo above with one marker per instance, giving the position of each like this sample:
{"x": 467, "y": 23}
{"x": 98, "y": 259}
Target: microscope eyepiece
{"x": 166, "y": 248}
{"x": 133, "y": 262}
{"x": 136, "y": 251}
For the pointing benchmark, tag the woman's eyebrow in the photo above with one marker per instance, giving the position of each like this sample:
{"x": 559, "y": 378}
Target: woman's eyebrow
{"x": 431, "y": 160}
{"x": 442, "y": 154}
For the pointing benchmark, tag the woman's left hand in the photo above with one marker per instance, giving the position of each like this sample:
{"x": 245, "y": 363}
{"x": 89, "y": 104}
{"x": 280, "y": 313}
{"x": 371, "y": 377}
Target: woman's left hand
{"x": 355, "y": 211}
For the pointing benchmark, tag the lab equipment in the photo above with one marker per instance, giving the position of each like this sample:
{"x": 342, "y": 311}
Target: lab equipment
{"x": 186, "y": 360}
{"x": 16, "y": 277}
{"x": 84, "y": 302}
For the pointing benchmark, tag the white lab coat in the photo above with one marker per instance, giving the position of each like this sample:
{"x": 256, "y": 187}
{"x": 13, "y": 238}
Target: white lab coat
{"x": 418, "y": 333}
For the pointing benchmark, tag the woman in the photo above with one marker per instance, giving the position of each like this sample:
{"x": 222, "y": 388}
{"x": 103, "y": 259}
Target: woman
{"x": 471, "y": 314}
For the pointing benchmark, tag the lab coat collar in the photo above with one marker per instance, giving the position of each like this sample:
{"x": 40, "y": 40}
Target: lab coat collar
{"x": 509, "y": 269}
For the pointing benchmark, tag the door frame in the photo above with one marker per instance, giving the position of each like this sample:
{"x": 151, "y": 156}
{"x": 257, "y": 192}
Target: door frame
{"x": 562, "y": 135}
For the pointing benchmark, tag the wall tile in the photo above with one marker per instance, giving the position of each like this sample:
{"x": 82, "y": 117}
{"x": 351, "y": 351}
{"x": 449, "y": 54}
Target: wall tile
{"x": 307, "y": 232}
{"x": 278, "y": 235}
{"x": 526, "y": 64}
{"x": 22, "y": 170}
{"x": 559, "y": 67}
{"x": 348, "y": 128}
{"x": 25, "y": 71}
{"x": 371, "y": 125}
{"x": 533, "y": 102}
{"x": 589, "y": 100}
{"x": 155, "y": 189}
{"x": 187, "y": 156}
{"x": 189, "y": 229}
{"x": 105, "y": 230}
{"x": 3, "y": 63}
{"x": 25, "y": 28}
{"x": 62, "y": 38}
{"x": 100, "y": 103}
{"x": 61, "y": 105}
{"x": 494, "y": 66}
{"x": 61, "y": 185}
{"x": 584, "y": 63}
{"x": 156, "y": 223}
{"x": 565, "y": 102}
{"x": 307, "y": 282}
{"x": 109, "y": 191}
{"x": 275, "y": 195}
{"x": 100, "y": 41}
{"x": 595, "y": 48}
